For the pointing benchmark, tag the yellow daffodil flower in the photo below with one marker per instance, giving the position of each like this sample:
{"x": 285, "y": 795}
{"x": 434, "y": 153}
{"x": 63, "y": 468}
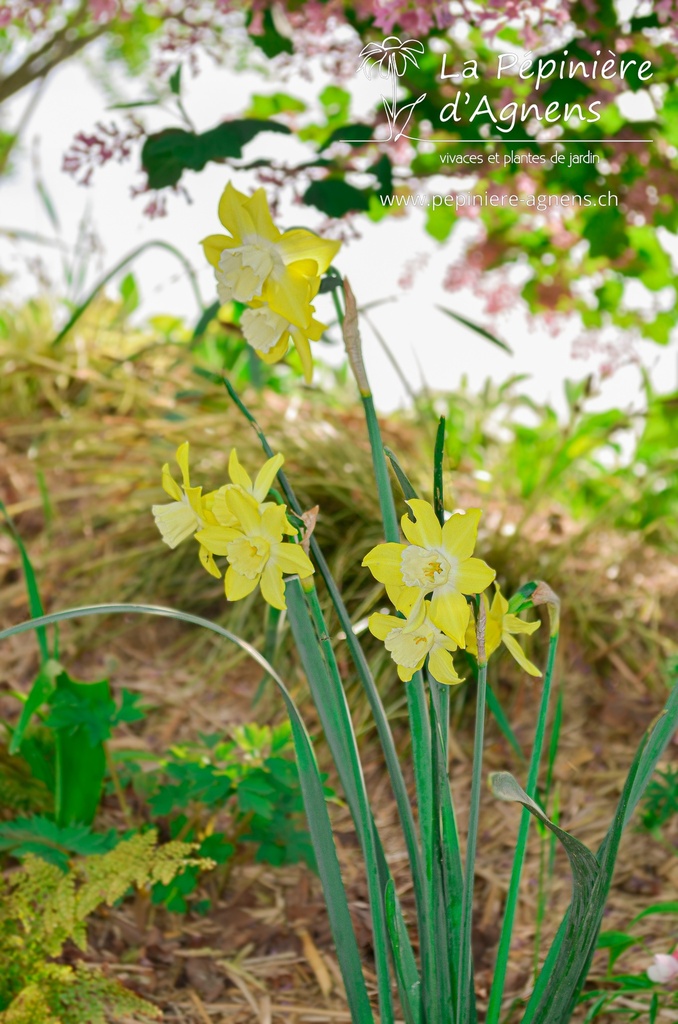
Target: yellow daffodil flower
{"x": 257, "y": 261}
{"x": 500, "y": 628}
{"x": 255, "y": 549}
{"x": 242, "y": 481}
{"x": 185, "y": 514}
{"x": 411, "y": 640}
{"x": 189, "y": 512}
{"x": 269, "y": 334}
{"x": 437, "y": 561}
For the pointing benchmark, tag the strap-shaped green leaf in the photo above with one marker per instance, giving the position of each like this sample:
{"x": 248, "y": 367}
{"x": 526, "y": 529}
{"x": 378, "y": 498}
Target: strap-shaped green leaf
{"x": 330, "y": 701}
{"x": 578, "y": 929}
{"x": 554, "y": 994}
{"x": 80, "y": 765}
{"x": 407, "y": 975}
{"x": 41, "y": 689}
{"x": 32, "y": 589}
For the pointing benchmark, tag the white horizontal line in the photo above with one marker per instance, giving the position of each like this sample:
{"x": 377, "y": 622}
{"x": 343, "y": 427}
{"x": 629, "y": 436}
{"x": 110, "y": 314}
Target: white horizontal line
{"x": 538, "y": 142}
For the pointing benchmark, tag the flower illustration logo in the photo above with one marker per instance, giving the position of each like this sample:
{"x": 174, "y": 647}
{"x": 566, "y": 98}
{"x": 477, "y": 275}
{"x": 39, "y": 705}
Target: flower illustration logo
{"x": 389, "y": 60}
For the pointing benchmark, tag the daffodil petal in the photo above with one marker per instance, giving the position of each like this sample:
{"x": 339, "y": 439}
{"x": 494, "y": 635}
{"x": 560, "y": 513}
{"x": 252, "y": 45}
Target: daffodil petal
{"x": 460, "y": 532}
{"x": 182, "y": 462}
{"x": 214, "y": 245}
{"x": 236, "y": 472}
{"x": 471, "y": 639}
{"x": 473, "y": 576}
{"x": 380, "y": 625}
{"x": 289, "y": 295}
{"x": 300, "y": 244}
{"x": 233, "y": 215}
{"x": 403, "y": 598}
{"x": 169, "y": 484}
{"x": 315, "y": 330}
{"x": 257, "y": 207}
{"x": 220, "y": 510}
{"x": 383, "y": 561}
{"x": 426, "y": 532}
{"x": 274, "y": 522}
{"x": 499, "y": 603}
{"x": 291, "y": 558}
{"x": 416, "y": 615}
{"x": 207, "y": 562}
{"x": 405, "y": 673}
{"x": 266, "y": 476}
{"x": 245, "y": 509}
{"x": 279, "y": 350}
{"x": 304, "y": 349}
{"x": 516, "y": 650}
{"x": 512, "y": 624}
{"x": 237, "y": 586}
{"x": 441, "y": 667}
{"x": 217, "y": 538}
{"x": 194, "y": 495}
{"x": 450, "y": 613}
{"x": 272, "y": 587}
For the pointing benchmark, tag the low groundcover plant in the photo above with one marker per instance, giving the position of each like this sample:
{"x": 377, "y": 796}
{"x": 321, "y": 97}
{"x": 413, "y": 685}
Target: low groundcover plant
{"x": 444, "y": 624}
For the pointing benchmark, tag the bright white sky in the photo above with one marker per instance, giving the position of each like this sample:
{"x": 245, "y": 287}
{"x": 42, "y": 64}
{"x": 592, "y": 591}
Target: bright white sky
{"x": 425, "y": 343}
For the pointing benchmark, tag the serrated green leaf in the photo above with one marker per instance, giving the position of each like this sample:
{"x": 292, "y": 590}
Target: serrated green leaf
{"x": 44, "y": 838}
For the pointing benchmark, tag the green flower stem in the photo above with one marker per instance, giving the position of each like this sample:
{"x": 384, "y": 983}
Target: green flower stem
{"x": 447, "y": 873}
{"x": 433, "y": 972}
{"x": 497, "y": 991}
{"x": 420, "y": 733}
{"x": 351, "y": 335}
{"x": 386, "y": 502}
{"x": 442, "y": 692}
{"x": 465, "y": 1012}
{"x": 315, "y": 649}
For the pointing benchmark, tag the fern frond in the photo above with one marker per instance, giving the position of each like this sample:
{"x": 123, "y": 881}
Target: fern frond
{"x": 41, "y": 907}
{"x": 76, "y": 995}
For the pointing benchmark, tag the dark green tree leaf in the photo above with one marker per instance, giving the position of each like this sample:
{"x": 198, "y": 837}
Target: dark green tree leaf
{"x": 167, "y": 154}
{"x": 336, "y": 197}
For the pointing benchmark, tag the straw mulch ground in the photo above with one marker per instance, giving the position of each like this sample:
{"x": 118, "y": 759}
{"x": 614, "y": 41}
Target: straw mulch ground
{"x": 80, "y": 451}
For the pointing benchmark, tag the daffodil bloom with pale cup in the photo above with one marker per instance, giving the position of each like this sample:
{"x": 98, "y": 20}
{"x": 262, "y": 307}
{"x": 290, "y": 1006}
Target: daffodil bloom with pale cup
{"x": 438, "y": 561}
{"x": 258, "y": 261}
{"x": 501, "y": 627}
{"x": 189, "y": 511}
{"x": 410, "y": 641}
{"x": 256, "y": 551}
{"x": 270, "y": 334}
